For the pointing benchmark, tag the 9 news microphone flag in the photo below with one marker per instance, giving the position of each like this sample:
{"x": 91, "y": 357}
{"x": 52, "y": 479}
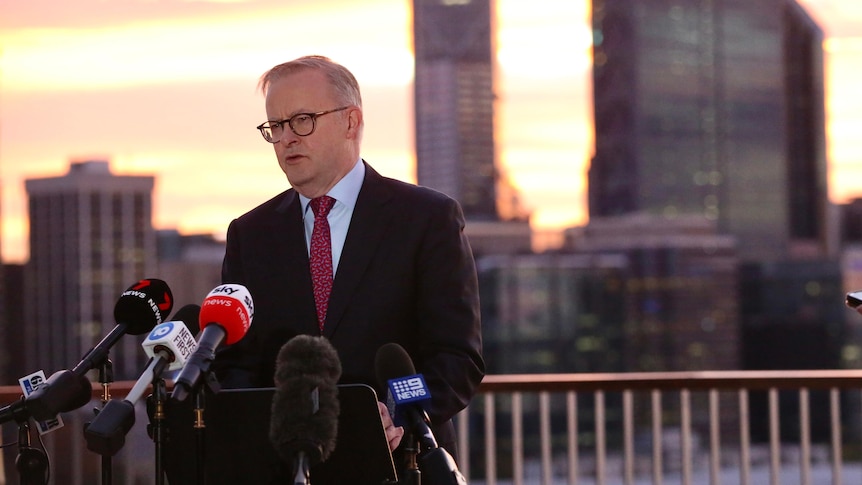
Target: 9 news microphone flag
{"x": 406, "y": 397}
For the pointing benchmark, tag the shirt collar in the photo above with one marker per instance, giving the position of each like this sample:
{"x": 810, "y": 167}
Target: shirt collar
{"x": 346, "y": 191}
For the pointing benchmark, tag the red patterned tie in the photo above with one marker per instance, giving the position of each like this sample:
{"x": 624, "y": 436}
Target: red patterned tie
{"x": 321, "y": 256}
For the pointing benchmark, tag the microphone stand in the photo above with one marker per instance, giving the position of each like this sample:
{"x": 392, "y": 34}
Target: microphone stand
{"x": 200, "y": 435}
{"x": 31, "y": 463}
{"x": 412, "y": 475}
{"x": 106, "y": 377}
{"x": 158, "y": 426}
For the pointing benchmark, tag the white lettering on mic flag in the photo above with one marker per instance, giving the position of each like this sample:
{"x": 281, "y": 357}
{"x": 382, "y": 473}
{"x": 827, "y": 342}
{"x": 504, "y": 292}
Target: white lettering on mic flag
{"x": 29, "y": 384}
{"x": 409, "y": 389}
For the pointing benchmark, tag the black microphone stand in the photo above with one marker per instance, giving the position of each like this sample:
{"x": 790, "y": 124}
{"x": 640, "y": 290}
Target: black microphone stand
{"x": 200, "y": 433}
{"x": 207, "y": 381}
{"x": 106, "y": 377}
{"x": 31, "y": 463}
{"x": 157, "y": 430}
{"x": 412, "y": 475}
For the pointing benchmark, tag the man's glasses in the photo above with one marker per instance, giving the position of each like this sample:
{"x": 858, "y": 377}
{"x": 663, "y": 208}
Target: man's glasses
{"x": 301, "y": 123}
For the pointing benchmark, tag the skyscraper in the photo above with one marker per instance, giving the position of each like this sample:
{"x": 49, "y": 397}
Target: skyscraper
{"x": 91, "y": 237}
{"x": 713, "y": 108}
{"x": 454, "y": 102}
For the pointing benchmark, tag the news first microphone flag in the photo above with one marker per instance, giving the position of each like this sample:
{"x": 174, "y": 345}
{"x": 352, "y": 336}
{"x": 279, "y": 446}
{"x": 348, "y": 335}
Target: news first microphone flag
{"x": 169, "y": 345}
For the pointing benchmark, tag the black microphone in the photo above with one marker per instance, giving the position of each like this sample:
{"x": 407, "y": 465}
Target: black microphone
{"x": 61, "y": 393}
{"x": 169, "y": 345}
{"x": 225, "y": 315}
{"x": 304, "y": 420}
{"x": 407, "y": 390}
{"x": 140, "y": 308}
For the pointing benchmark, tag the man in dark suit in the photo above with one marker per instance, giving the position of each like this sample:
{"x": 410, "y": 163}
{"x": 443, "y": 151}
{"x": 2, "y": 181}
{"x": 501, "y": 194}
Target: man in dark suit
{"x": 402, "y": 269}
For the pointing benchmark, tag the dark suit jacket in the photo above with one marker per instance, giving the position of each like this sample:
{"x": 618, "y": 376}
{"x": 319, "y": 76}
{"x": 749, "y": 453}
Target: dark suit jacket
{"x": 406, "y": 275}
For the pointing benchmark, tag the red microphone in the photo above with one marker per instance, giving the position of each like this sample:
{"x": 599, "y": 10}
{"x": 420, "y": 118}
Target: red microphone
{"x": 226, "y": 315}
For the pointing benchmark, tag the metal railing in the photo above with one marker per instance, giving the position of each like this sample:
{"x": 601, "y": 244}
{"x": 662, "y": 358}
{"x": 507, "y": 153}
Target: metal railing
{"x": 640, "y": 401}
{"x": 712, "y": 427}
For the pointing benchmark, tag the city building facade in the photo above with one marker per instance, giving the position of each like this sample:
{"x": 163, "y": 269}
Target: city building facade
{"x": 715, "y": 109}
{"x": 91, "y": 237}
{"x": 454, "y": 102}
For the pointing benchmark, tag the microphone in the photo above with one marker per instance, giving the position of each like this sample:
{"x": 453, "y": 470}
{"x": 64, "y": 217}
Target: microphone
{"x": 169, "y": 345}
{"x": 61, "y": 393}
{"x": 226, "y": 315}
{"x": 140, "y": 308}
{"x": 137, "y": 311}
{"x": 407, "y": 393}
{"x": 305, "y": 407}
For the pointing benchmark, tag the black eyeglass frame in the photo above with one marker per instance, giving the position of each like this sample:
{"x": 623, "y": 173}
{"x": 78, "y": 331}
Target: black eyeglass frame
{"x": 269, "y": 125}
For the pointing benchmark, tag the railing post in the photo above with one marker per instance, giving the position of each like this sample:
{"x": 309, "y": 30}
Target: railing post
{"x": 685, "y": 434}
{"x": 714, "y": 438}
{"x": 601, "y": 446}
{"x": 463, "y": 422}
{"x": 657, "y": 445}
{"x": 517, "y": 439}
{"x": 490, "y": 441}
{"x": 572, "y": 417}
{"x": 774, "y": 438}
{"x": 545, "y": 434}
{"x": 804, "y": 438}
{"x": 837, "y": 453}
{"x": 744, "y": 439}
{"x": 628, "y": 437}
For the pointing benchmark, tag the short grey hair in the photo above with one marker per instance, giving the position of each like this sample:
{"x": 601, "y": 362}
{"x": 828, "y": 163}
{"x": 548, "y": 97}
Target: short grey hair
{"x": 342, "y": 80}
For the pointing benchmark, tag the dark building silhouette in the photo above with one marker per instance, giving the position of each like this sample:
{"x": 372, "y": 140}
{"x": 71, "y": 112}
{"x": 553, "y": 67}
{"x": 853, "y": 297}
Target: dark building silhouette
{"x": 13, "y": 360}
{"x": 454, "y": 102}
{"x": 547, "y": 313}
{"x": 679, "y": 285}
{"x": 714, "y": 109}
{"x": 191, "y": 264}
{"x": 91, "y": 237}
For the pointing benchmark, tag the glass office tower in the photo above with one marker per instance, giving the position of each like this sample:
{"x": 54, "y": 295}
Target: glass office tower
{"x": 714, "y": 108}
{"x": 454, "y": 102}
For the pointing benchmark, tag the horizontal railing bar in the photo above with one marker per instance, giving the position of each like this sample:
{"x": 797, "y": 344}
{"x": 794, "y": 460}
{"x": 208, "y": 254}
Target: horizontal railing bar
{"x": 607, "y": 381}
{"x": 119, "y": 389}
{"x": 693, "y": 380}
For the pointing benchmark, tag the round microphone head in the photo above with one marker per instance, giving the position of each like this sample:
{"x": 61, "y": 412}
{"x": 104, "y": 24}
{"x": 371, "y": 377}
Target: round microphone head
{"x": 307, "y": 355}
{"x": 230, "y": 307}
{"x": 143, "y": 306}
{"x": 190, "y": 316}
{"x": 392, "y": 362}
{"x": 305, "y": 405}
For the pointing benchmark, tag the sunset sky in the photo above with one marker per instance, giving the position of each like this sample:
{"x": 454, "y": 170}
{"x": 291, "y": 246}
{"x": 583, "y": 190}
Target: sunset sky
{"x": 167, "y": 88}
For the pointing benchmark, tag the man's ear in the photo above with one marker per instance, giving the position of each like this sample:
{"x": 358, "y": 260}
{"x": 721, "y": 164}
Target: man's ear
{"x": 354, "y": 122}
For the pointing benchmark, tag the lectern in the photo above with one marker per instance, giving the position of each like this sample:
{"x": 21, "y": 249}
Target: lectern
{"x": 236, "y": 446}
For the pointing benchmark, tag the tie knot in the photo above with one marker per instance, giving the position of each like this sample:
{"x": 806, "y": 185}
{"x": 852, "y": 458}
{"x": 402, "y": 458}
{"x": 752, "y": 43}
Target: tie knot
{"x": 321, "y": 205}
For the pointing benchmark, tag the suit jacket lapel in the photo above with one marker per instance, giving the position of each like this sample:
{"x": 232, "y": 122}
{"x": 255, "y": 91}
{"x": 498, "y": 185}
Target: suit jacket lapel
{"x": 289, "y": 238}
{"x": 367, "y": 228}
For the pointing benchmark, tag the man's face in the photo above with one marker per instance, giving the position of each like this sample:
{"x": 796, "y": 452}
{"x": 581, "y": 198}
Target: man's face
{"x": 316, "y": 162}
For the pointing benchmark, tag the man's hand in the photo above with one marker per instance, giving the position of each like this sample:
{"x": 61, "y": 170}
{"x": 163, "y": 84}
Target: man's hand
{"x": 393, "y": 433}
